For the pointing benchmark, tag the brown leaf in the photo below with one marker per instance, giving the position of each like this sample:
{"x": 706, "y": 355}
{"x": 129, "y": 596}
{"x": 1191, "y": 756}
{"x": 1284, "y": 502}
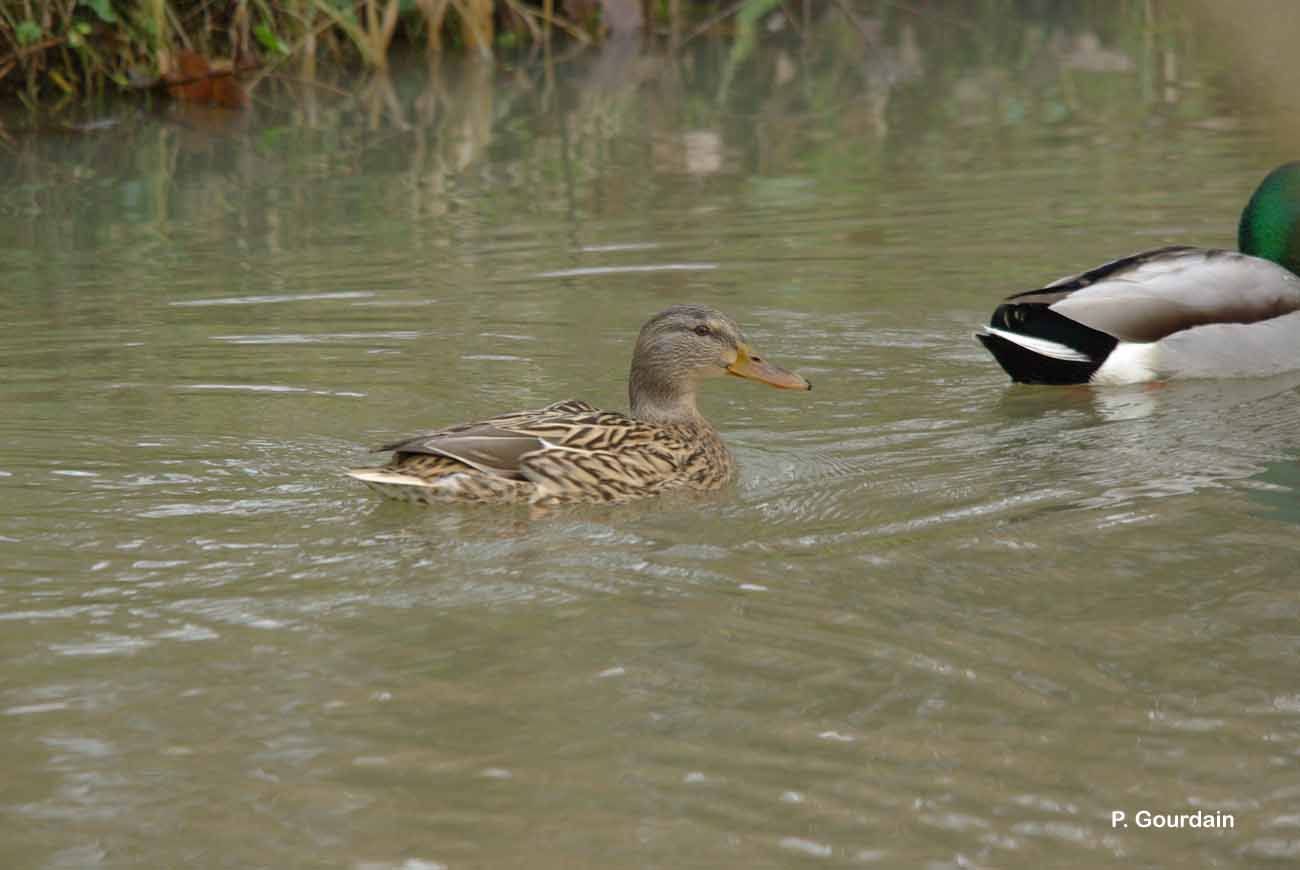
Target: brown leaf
{"x": 191, "y": 78}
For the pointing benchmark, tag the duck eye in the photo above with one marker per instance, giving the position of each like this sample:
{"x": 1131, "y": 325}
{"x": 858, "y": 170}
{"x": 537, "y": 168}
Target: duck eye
{"x": 702, "y": 329}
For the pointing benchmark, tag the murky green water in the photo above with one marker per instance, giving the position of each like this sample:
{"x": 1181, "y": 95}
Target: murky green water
{"x": 939, "y": 622}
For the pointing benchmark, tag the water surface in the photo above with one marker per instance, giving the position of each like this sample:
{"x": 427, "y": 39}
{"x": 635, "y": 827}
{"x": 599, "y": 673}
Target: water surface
{"x": 940, "y": 621}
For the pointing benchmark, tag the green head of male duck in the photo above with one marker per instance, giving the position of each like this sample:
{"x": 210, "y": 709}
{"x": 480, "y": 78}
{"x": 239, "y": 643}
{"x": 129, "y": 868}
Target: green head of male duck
{"x": 1270, "y": 223}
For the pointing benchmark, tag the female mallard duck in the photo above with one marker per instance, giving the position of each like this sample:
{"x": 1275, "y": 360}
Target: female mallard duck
{"x": 572, "y": 452}
{"x": 1171, "y": 312}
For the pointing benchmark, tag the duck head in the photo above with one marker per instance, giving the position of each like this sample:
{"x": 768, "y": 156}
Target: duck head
{"x": 684, "y": 344}
{"x": 1270, "y": 223}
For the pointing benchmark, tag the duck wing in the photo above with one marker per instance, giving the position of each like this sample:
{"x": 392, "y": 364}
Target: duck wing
{"x": 566, "y": 438}
{"x": 1148, "y": 296}
{"x": 497, "y": 445}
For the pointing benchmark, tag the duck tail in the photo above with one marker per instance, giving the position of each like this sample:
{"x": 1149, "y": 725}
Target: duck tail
{"x": 1036, "y": 345}
{"x": 393, "y": 484}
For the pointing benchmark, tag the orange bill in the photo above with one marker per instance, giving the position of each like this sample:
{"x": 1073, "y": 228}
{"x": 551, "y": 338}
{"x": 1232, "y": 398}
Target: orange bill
{"x": 755, "y": 368}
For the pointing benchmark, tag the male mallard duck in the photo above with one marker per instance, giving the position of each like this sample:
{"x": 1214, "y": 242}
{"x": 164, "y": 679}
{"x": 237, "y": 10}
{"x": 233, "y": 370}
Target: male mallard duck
{"x": 572, "y": 452}
{"x": 1171, "y": 312}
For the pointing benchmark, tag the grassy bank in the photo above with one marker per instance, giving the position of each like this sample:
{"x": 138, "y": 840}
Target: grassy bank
{"x": 55, "y": 49}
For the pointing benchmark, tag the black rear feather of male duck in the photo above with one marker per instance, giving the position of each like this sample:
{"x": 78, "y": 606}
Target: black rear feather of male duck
{"x": 1028, "y": 366}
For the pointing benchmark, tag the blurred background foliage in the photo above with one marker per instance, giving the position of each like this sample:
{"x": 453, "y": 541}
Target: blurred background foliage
{"x": 826, "y": 91}
{"x": 53, "y": 50}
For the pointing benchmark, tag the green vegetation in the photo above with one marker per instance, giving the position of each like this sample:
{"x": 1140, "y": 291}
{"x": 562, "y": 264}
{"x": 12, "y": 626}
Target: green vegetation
{"x": 51, "y": 49}
{"x": 56, "y": 53}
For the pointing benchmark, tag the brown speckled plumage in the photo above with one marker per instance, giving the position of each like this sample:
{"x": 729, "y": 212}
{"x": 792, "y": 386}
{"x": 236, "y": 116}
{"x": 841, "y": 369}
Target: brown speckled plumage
{"x": 572, "y": 452}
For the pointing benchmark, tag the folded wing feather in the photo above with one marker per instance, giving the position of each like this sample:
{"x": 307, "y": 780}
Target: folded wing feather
{"x": 496, "y": 446}
{"x": 1149, "y": 296}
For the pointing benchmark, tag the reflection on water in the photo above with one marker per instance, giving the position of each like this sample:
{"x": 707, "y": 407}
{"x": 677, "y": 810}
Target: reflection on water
{"x": 939, "y": 621}
{"x": 1274, "y": 487}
